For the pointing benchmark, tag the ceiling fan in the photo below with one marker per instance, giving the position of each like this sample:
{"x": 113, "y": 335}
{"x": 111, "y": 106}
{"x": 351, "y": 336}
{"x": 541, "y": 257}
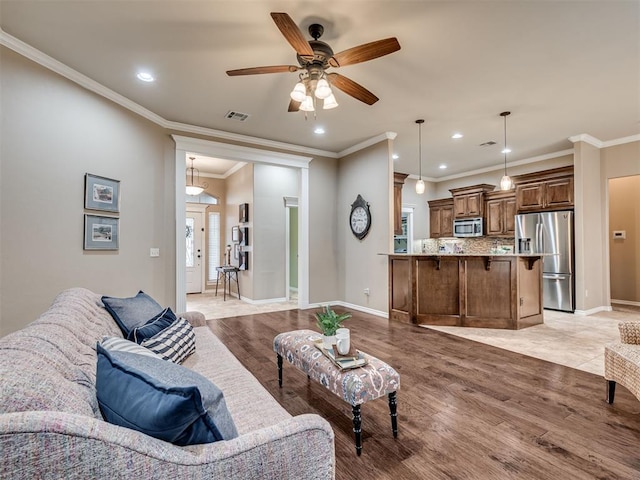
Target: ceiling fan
{"x": 314, "y": 58}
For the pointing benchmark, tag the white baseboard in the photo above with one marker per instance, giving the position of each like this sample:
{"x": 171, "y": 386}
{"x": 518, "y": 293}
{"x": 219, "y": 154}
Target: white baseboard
{"x": 626, "y": 302}
{"x": 263, "y": 301}
{"x": 591, "y": 311}
{"x": 351, "y": 306}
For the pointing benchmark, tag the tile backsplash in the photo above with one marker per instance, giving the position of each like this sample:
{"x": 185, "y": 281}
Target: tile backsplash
{"x": 480, "y": 245}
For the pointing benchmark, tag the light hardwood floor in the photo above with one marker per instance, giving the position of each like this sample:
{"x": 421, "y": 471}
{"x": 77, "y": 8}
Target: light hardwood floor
{"x": 466, "y": 410}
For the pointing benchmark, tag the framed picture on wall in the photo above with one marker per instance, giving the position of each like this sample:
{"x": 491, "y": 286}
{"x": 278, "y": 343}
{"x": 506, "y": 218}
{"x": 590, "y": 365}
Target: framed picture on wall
{"x": 244, "y": 212}
{"x": 236, "y": 250}
{"x": 101, "y": 193}
{"x": 235, "y": 234}
{"x": 243, "y": 261}
{"x": 101, "y": 232}
{"x": 244, "y": 236}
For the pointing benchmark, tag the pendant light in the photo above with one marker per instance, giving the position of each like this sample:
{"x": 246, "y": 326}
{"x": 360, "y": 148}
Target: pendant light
{"x": 420, "y": 182}
{"x": 506, "y": 183}
{"x": 193, "y": 188}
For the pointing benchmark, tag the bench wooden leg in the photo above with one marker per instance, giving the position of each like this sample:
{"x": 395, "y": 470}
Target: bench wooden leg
{"x": 279, "y": 370}
{"x": 393, "y": 404}
{"x": 357, "y": 424}
{"x": 611, "y": 391}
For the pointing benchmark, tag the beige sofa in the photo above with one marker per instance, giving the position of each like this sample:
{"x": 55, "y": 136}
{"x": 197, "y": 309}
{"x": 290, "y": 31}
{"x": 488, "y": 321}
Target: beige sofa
{"x": 51, "y": 425}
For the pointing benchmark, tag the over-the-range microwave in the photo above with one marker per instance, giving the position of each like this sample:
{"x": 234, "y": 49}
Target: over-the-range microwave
{"x": 467, "y": 227}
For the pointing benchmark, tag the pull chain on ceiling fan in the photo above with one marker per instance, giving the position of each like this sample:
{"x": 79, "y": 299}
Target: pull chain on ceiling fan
{"x": 315, "y": 57}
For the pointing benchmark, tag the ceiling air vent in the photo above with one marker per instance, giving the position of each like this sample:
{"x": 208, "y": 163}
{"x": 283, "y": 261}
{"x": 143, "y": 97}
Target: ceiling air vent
{"x": 487, "y": 144}
{"x": 239, "y": 116}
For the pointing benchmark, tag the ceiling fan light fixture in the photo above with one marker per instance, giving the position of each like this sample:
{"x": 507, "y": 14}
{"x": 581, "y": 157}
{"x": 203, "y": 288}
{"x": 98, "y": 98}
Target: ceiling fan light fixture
{"x": 299, "y": 92}
{"x": 330, "y": 102}
{"x": 307, "y": 104}
{"x": 323, "y": 90}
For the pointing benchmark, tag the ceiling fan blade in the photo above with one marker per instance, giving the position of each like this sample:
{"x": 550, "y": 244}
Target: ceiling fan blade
{"x": 259, "y": 70}
{"x": 292, "y": 33}
{"x": 294, "y": 106}
{"x": 352, "y": 88}
{"x": 363, "y": 53}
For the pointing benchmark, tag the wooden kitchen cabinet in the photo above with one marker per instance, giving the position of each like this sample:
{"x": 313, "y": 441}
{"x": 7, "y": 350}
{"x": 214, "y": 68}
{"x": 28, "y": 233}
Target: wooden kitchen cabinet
{"x": 398, "y": 182}
{"x": 500, "y": 210}
{"x": 441, "y": 218}
{"x": 469, "y": 201}
{"x": 545, "y": 191}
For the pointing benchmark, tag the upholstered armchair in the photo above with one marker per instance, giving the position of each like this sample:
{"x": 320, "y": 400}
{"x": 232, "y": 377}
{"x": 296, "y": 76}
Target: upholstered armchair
{"x": 622, "y": 360}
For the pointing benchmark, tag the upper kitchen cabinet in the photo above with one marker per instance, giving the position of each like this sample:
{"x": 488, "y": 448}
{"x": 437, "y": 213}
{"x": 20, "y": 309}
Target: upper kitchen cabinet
{"x": 545, "y": 191}
{"x": 500, "y": 212}
{"x": 469, "y": 201}
{"x": 441, "y": 218}
{"x": 398, "y": 182}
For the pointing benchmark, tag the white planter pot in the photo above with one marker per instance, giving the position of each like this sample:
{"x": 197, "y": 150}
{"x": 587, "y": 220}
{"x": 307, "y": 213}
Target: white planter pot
{"x": 328, "y": 341}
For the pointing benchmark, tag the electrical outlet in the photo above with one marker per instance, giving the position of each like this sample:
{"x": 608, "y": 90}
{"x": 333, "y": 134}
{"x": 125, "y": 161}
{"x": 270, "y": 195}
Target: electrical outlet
{"x": 154, "y": 252}
{"x": 367, "y": 291}
{"x": 586, "y": 293}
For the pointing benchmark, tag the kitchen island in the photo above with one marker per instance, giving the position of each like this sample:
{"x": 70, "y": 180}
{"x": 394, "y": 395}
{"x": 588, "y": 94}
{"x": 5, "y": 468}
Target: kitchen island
{"x": 466, "y": 290}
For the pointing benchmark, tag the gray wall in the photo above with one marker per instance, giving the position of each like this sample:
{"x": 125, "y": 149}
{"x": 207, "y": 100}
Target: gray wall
{"x": 240, "y": 190}
{"x": 323, "y": 233}
{"x": 367, "y": 173}
{"x": 271, "y": 185}
{"x": 53, "y": 132}
{"x": 624, "y": 254}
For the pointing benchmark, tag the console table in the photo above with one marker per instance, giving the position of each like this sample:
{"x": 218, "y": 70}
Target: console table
{"x": 228, "y": 274}
{"x": 355, "y": 386}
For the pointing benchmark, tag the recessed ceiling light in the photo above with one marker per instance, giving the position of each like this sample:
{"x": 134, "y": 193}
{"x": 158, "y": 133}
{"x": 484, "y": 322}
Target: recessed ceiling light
{"x": 395, "y": 156}
{"x": 145, "y": 77}
{"x": 442, "y": 167}
{"x": 506, "y": 150}
{"x": 319, "y": 131}
{"x": 457, "y": 135}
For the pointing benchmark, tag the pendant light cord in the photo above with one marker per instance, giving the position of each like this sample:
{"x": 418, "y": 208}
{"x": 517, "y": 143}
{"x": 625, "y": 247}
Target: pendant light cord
{"x": 420, "y": 122}
{"x": 505, "y": 144}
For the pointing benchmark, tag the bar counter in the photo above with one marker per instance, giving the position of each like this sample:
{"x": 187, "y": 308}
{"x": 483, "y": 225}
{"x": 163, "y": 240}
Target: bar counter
{"x": 466, "y": 290}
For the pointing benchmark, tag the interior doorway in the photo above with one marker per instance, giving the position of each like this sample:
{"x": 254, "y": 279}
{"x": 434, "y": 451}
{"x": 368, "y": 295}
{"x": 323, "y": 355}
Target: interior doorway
{"x": 624, "y": 242}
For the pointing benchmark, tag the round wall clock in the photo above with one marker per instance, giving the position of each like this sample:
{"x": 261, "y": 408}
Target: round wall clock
{"x": 360, "y": 218}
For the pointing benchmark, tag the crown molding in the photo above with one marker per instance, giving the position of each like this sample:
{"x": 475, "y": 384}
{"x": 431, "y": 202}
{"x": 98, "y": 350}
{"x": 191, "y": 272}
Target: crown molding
{"x": 367, "y": 143}
{"x": 236, "y": 137}
{"x": 586, "y": 138}
{"x": 525, "y": 161}
{"x": 621, "y": 141}
{"x": 60, "y": 68}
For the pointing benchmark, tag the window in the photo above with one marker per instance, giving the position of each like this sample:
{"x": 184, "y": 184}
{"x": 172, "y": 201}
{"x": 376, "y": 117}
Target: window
{"x": 190, "y": 246}
{"x": 213, "y": 247}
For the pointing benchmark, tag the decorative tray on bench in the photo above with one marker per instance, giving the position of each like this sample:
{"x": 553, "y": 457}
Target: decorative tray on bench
{"x": 353, "y": 359}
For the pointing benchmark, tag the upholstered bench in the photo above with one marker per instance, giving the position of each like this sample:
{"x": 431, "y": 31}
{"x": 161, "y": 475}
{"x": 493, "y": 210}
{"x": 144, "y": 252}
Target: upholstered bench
{"x": 355, "y": 386}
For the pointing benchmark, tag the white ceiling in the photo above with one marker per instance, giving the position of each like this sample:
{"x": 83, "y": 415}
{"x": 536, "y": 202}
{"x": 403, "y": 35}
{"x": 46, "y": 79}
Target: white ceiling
{"x": 561, "y": 67}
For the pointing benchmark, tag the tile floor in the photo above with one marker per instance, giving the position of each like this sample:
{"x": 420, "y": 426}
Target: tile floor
{"x": 563, "y": 338}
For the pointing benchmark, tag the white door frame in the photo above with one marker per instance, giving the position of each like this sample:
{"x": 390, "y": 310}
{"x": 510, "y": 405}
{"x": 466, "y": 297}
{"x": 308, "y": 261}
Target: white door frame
{"x": 188, "y": 145}
{"x": 202, "y": 210}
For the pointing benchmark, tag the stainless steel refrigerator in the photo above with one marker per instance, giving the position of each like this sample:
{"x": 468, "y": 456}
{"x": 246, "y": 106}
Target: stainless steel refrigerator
{"x": 550, "y": 233}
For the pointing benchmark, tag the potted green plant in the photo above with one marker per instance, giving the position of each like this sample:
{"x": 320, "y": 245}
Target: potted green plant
{"x": 328, "y": 322}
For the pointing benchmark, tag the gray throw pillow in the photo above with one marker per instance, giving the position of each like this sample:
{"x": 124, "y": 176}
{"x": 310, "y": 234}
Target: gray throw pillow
{"x": 131, "y": 312}
{"x": 161, "y": 399}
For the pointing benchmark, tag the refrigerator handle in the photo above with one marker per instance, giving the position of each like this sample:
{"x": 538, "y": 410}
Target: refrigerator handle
{"x": 541, "y": 238}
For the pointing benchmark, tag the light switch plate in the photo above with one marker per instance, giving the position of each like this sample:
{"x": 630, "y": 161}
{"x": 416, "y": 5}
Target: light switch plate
{"x": 619, "y": 234}
{"x": 154, "y": 252}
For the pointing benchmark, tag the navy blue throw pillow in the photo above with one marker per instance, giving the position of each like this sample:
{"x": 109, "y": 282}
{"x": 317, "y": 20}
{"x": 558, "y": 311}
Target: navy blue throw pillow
{"x": 161, "y": 399}
{"x": 131, "y": 312}
{"x": 154, "y": 326}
